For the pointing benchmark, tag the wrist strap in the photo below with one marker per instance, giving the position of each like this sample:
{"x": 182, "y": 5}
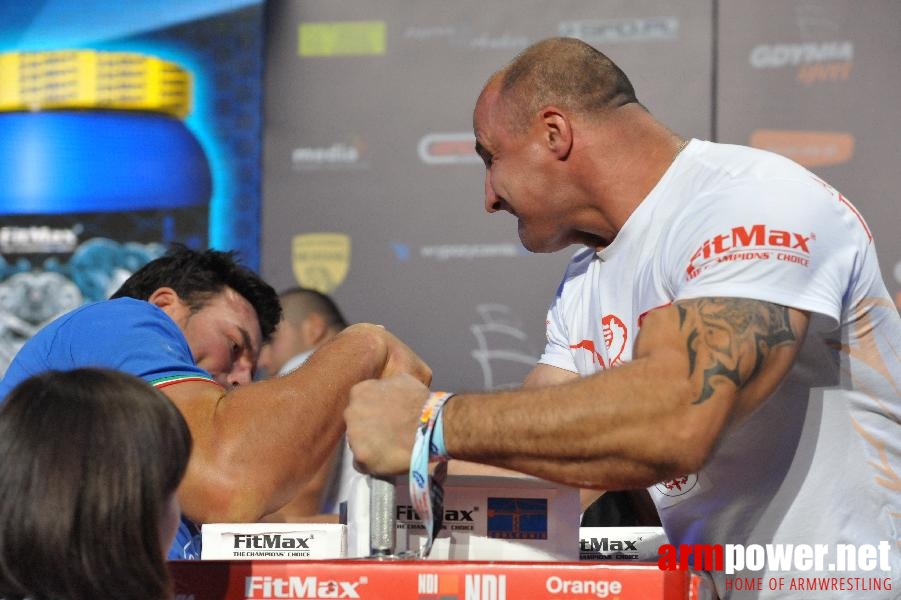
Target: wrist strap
{"x": 437, "y": 449}
{"x": 427, "y": 492}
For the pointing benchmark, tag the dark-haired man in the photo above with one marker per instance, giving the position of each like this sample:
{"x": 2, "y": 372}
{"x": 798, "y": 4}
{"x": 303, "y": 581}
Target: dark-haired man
{"x": 192, "y": 324}
{"x": 723, "y": 335}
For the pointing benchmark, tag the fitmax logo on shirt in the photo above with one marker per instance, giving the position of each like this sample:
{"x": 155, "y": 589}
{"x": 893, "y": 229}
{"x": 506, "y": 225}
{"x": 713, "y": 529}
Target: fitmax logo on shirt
{"x": 274, "y": 541}
{"x": 756, "y": 242}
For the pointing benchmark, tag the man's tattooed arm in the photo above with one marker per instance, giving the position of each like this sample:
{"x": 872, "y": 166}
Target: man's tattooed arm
{"x": 729, "y": 339}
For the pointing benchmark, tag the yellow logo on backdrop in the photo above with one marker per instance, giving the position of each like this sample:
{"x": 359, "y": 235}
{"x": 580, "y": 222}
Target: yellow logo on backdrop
{"x": 320, "y": 260}
{"x": 342, "y": 38}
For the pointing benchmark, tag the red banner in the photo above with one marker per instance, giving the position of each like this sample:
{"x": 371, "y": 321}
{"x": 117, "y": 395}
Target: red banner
{"x": 431, "y": 580}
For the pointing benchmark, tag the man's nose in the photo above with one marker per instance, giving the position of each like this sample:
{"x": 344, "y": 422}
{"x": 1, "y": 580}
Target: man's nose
{"x": 491, "y": 201}
{"x": 241, "y": 374}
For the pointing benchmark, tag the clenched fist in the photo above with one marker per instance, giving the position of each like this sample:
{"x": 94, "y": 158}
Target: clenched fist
{"x": 382, "y": 416}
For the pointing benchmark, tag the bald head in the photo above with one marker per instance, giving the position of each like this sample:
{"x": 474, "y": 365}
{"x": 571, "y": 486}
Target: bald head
{"x": 298, "y": 303}
{"x": 563, "y": 72}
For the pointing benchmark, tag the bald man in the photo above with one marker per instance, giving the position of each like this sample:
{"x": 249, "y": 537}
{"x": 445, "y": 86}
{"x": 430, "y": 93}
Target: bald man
{"x": 721, "y": 336}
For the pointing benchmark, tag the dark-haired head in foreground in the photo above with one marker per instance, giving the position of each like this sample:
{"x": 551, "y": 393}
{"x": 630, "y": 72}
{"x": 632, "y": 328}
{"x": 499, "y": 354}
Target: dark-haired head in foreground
{"x": 91, "y": 462}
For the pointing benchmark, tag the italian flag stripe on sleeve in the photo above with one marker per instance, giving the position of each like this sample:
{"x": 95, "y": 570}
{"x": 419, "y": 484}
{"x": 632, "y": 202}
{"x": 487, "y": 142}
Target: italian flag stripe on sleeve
{"x": 173, "y": 379}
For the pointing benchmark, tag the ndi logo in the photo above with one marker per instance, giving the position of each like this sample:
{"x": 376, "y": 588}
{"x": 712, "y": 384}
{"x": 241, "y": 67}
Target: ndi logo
{"x": 432, "y": 586}
{"x": 485, "y": 587}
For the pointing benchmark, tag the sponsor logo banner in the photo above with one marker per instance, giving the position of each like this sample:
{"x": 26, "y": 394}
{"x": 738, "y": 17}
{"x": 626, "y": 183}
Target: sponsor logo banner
{"x": 612, "y": 31}
{"x": 454, "y": 519}
{"x": 432, "y": 580}
{"x": 448, "y": 149}
{"x": 263, "y": 586}
{"x": 814, "y": 61}
{"x": 38, "y": 239}
{"x": 335, "y": 156}
{"x": 517, "y": 518}
{"x": 465, "y": 37}
{"x": 807, "y": 148}
{"x": 432, "y": 586}
{"x": 816, "y": 567}
{"x": 320, "y": 260}
{"x": 444, "y": 252}
{"x": 342, "y": 38}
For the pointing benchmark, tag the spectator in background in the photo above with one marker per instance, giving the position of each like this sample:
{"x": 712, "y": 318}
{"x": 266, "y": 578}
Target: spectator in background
{"x": 91, "y": 459}
{"x": 309, "y": 319}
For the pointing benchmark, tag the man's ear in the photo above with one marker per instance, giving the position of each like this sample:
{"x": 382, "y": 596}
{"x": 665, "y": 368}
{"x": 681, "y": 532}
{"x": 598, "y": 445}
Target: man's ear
{"x": 313, "y": 328}
{"x": 558, "y": 132}
{"x": 166, "y": 298}
{"x": 170, "y": 302}
{"x": 163, "y": 297}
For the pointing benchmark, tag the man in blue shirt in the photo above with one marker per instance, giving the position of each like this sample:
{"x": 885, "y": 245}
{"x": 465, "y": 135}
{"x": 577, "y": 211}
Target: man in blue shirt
{"x": 192, "y": 324}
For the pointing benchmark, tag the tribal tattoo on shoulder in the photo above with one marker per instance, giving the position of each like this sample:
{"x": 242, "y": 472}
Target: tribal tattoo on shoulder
{"x": 731, "y": 338}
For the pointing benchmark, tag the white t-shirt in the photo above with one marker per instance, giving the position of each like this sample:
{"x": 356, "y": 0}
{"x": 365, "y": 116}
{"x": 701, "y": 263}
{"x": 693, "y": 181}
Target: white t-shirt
{"x": 820, "y": 461}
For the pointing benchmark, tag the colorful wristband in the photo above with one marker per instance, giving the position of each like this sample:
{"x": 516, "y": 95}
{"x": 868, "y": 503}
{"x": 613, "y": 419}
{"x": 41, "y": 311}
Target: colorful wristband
{"x": 437, "y": 448}
{"x": 427, "y": 491}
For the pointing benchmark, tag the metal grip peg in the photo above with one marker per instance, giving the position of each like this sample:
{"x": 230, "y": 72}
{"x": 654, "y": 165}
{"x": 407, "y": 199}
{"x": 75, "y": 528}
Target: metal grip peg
{"x": 382, "y": 520}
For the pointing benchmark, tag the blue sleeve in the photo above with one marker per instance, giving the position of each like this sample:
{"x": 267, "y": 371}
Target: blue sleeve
{"x": 186, "y": 545}
{"x": 128, "y": 335}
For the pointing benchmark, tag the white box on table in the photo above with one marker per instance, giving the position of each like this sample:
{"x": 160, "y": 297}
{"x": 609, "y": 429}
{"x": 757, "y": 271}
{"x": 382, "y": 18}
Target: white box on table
{"x": 273, "y": 541}
{"x": 620, "y": 543}
{"x": 485, "y": 518}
